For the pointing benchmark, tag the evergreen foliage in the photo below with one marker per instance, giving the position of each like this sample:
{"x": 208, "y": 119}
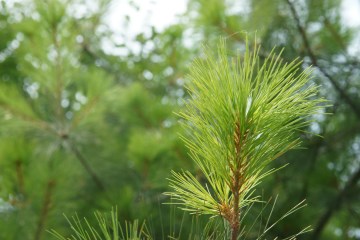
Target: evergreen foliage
{"x": 87, "y": 123}
{"x": 108, "y": 229}
{"x": 243, "y": 114}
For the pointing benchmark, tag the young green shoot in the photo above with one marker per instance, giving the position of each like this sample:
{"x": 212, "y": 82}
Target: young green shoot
{"x": 243, "y": 113}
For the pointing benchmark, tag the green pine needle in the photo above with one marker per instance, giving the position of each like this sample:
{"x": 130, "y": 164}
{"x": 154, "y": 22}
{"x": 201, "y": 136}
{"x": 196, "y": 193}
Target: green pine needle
{"x": 243, "y": 114}
{"x": 108, "y": 229}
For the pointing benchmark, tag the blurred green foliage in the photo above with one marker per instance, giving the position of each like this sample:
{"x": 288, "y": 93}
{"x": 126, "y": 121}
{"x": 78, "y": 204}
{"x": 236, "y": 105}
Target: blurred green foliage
{"x": 82, "y": 129}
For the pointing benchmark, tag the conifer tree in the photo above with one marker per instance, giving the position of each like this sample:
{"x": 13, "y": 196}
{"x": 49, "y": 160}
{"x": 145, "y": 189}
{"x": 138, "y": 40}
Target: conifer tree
{"x": 76, "y": 123}
{"x": 44, "y": 116}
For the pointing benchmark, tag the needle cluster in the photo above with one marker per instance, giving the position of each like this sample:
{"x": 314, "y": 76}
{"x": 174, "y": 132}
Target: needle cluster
{"x": 243, "y": 113}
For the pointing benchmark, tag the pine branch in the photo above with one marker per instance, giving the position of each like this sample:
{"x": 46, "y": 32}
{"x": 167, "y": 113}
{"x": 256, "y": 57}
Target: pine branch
{"x": 242, "y": 115}
{"x": 336, "y": 204}
{"x": 87, "y": 166}
{"x": 45, "y": 209}
{"x": 59, "y": 82}
{"x": 314, "y": 61}
{"x": 20, "y": 176}
{"x": 338, "y": 200}
{"x": 27, "y": 118}
{"x": 84, "y": 162}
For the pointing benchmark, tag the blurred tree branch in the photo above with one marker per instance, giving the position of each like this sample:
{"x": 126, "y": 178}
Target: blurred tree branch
{"x": 336, "y": 204}
{"x": 314, "y": 62}
{"x": 355, "y": 177}
{"x": 46, "y": 207}
{"x": 86, "y": 166}
{"x": 83, "y": 161}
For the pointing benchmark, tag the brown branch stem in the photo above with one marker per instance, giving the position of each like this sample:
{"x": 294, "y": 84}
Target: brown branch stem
{"x": 336, "y": 204}
{"x": 235, "y": 211}
{"x": 237, "y": 171}
{"x": 355, "y": 177}
{"x": 45, "y": 209}
{"x": 87, "y": 167}
{"x": 20, "y": 176}
{"x": 314, "y": 61}
{"x": 89, "y": 170}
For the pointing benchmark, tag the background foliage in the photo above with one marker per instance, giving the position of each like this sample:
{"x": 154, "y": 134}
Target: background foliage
{"x": 82, "y": 129}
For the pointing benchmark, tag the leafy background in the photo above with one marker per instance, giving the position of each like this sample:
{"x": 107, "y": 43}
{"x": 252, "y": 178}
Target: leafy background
{"x": 84, "y": 129}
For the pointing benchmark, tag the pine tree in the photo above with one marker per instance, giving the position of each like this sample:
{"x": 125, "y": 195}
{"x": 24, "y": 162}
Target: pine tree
{"x": 45, "y": 113}
{"x": 76, "y": 122}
